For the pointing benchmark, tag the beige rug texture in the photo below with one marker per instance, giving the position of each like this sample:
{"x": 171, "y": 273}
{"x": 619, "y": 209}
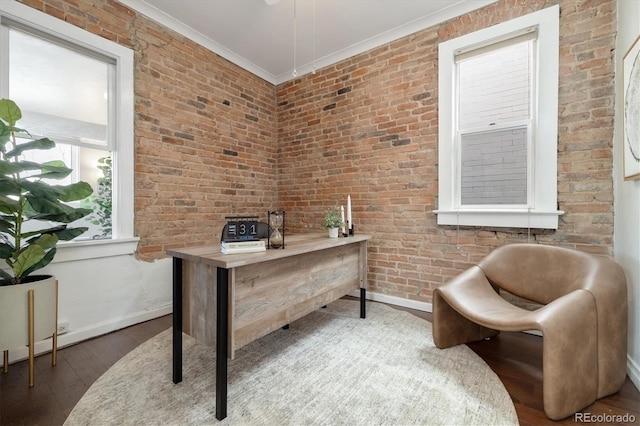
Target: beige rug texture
{"x": 328, "y": 368}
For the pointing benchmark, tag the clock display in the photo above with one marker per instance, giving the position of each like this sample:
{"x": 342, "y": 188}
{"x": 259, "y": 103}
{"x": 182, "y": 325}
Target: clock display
{"x": 241, "y": 228}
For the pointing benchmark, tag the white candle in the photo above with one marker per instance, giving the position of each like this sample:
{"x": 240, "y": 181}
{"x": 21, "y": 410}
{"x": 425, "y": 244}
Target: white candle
{"x": 342, "y": 217}
{"x": 349, "y": 212}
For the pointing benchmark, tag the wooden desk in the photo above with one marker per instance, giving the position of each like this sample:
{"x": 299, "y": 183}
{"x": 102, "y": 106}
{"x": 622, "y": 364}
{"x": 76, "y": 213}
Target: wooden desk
{"x": 253, "y": 294}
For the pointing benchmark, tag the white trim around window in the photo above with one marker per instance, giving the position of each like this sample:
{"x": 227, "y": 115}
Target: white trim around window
{"x": 123, "y": 240}
{"x": 542, "y": 210}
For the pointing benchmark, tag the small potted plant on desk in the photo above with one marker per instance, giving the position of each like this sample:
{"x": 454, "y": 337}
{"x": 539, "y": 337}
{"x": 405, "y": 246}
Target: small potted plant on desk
{"x": 332, "y": 221}
{"x": 29, "y": 303}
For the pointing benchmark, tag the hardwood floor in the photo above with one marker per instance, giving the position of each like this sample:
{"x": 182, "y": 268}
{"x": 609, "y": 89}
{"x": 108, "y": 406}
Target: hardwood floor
{"x": 515, "y": 357}
{"x": 58, "y": 389}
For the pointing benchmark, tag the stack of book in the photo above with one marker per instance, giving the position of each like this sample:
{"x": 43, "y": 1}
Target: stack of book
{"x": 252, "y": 246}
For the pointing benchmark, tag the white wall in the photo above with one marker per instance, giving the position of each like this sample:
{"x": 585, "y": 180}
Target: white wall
{"x": 97, "y": 296}
{"x": 627, "y": 194}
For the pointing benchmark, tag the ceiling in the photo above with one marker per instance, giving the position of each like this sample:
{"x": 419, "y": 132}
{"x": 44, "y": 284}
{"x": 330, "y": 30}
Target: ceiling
{"x": 258, "y": 35}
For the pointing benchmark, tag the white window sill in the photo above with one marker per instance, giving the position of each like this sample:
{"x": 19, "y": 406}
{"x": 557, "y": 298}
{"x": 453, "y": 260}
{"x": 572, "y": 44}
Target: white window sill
{"x": 94, "y": 249}
{"x": 503, "y": 218}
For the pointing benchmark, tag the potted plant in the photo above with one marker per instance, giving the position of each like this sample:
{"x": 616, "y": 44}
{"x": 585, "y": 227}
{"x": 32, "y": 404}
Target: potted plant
{"x": 332, "y": 221}
{"x": 33, "y": 218}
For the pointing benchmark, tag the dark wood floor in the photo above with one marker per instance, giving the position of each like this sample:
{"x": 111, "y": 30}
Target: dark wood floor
{"x": 515, "y": 357}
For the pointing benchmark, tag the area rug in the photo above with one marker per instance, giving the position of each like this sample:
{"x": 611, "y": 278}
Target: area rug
{"x": 329, "y": 368}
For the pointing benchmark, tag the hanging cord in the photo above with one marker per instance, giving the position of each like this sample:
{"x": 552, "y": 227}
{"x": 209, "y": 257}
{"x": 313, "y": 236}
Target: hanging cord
{"x": 458, "y": 231}
{"x": 295, "y": 71}
{"x": 313, "y": 43}
{"x": 528, "y": 224}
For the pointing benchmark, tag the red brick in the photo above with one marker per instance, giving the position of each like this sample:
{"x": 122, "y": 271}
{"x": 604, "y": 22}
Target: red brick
{"x": 292, "y": 154}
{"x": 586, "y": 116}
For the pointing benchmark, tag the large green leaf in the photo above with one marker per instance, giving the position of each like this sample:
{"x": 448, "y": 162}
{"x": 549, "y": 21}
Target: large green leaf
{"x": 54, "y": 210}
{"x": 72, "y": 192}
{"x": 9, "y": 112}
{"x": 39, "y": 232}
{"x": 47, "y": 241}
{"x": 49, "y": 170}
{"x": 61, "y": 232}
{"x": 63, "y": 217}
{"x": 6, "y": 251}
{"x": 41, "y": 204}
{"x": 22, "y": 132}
{"x": 44, "y": 143}
{"x": 12, "y": 167}
{"x": 42, "y": 189}
{"x": 29, "y": 257}
{"x": 9, "y": 187}
{"x": 7, "y": 227}
{"x": 43, "y": 262}
{"x": 5, "y": 135}
{"x": 75, "y": 191}
{"x": 54, "y": 170}
{"x": 9, "y": 205}
{"x": 70, "y": 233}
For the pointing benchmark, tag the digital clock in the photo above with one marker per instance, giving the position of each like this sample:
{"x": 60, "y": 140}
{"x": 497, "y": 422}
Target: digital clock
{"x": 241, "y": 228}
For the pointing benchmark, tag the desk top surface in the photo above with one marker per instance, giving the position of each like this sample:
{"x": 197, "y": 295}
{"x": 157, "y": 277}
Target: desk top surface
{"x": 294, "y": 245}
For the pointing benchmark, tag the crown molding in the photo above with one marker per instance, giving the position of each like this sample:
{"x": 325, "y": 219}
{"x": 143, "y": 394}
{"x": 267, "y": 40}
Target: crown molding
{"x": 456, "y": 9}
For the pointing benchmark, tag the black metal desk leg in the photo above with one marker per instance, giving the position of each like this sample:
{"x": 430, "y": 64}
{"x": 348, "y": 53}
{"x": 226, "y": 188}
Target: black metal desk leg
{"x": 222, "y": 329}
{"x": 177, "y": 320}
{"x": 363, "y": 305}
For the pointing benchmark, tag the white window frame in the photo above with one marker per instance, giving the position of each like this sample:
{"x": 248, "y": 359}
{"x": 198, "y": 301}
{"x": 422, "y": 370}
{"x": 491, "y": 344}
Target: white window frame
{"x": 122, "y": 239}
{"x": 541, "y": 211}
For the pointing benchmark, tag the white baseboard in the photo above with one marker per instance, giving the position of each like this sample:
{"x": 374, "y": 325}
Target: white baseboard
{"x": 99, "y": 329}
{"x": 633, "y": 371}
{"x": 397, "y": 301}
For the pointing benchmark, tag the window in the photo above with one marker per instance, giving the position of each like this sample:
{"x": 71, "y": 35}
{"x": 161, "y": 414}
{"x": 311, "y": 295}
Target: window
{"x": 498, "y": 125}
{"x": 77, "y": 89}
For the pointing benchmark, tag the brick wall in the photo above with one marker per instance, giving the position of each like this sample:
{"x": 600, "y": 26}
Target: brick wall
{"x": 205, "y": 142}
{"x": 213, "y": 140}
{"x": 205, "y": 129}
{"x": 368, "y": 127}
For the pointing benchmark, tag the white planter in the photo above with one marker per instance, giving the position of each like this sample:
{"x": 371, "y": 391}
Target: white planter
{"x": 15, "y": 315}
{"x": 333, "y": 232}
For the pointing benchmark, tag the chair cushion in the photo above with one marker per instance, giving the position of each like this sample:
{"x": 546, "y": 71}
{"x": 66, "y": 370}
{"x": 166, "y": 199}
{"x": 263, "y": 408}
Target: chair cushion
{"x": 482, "y": 304}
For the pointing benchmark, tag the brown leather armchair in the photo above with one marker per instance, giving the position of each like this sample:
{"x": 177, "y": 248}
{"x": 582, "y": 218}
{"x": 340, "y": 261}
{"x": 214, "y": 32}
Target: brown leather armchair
{"x": 583, "y": 319}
